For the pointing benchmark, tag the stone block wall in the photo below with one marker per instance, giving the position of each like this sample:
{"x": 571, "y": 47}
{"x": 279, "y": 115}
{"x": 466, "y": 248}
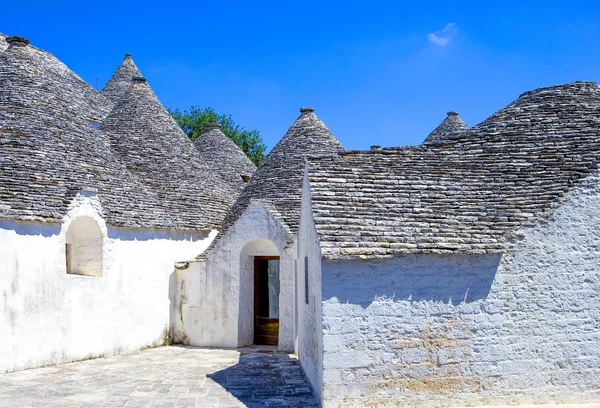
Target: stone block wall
{"x": 444, "y": 330}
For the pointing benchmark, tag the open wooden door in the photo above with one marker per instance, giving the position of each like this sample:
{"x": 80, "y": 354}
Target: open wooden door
{"x": 266, "y": 300}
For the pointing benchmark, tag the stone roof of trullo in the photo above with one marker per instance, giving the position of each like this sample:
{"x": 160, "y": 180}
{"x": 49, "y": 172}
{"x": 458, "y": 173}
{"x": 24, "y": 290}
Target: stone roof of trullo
{"x": 451, "y": 127}
{"x": 469, "y": 195}
{"x": 120, "y": 81}
{"x": 278, "y": 180}
{"x": 226, "y": 158}
{"x": 151, "y": 144}
{"x": 49, "y": 150}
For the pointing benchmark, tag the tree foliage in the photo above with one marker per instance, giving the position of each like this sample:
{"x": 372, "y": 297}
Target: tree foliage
{"x": 194, "y": 122}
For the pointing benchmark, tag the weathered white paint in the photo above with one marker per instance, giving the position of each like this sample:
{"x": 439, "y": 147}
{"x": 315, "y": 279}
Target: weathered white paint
{"x": 310, "y": 337}
{"x": 215, "y": 306}
{"x": 49, "y": 317}
{"x": 436, "y": 330}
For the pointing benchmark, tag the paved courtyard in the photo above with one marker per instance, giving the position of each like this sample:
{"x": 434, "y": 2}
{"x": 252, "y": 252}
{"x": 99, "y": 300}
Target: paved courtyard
{"x": 164, "y": 377}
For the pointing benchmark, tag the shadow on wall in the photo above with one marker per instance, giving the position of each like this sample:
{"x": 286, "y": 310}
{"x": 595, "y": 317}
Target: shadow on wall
{"x": 265, "y": 378}
{"x": 31, "y": 228}
{"x": 443, "y": 278}
{"x": 147, "y": 234}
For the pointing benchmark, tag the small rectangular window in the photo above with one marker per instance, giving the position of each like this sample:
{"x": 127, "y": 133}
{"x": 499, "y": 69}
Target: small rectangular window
{"x": 306, "y": 279}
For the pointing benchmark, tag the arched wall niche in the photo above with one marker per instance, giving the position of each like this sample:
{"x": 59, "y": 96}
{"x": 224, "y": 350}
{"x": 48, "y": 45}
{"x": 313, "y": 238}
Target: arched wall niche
{"x": 83, "y": 247}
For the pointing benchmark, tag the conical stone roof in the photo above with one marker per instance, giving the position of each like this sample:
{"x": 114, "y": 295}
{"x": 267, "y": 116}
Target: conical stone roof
{"x": 151, "y": 144}
{"x": 448, "y": 129}
{"x": 471, "y": 195}
{"x": 224, "y": 156}
{"x": 562, "y": 110}
{"x": 49, "y": 150}
{"x": 120, "y": 81}
{"x": 278, "y": 180}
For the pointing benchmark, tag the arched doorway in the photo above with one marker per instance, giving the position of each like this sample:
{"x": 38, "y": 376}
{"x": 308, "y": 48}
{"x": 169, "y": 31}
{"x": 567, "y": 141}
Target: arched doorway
{"x": 259, "y": 293}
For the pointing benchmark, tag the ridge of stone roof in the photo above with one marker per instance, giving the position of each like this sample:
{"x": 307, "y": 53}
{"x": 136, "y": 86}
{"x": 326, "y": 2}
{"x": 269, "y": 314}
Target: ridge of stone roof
{"x": 470, "y": 195}
{"x": 278, "y": 180}
{"x": 50, "y": 150}
{"x": 120, "y": 81}
{"x": 447, "y": 129}
{"x": 545, "y": 111}
{"x": 226, "y": 157}
{"x": 149, "y": 142}
{"x": 3, "y": 43}
{"x": 97, "y": 107}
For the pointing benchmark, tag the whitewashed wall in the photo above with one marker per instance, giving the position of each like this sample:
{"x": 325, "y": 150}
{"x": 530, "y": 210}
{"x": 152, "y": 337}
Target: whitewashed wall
{"x": 429, "y": 330}
{"x": 49, "y": 317}
{"x": 310, "y": 337}
{"x": 216, "y": 305}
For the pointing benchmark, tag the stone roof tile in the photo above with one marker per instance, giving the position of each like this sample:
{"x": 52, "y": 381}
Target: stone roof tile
{"x": 120, "y": 81}
{"x": 469, "y": 195}
{"x": 278, "y": 180}
{"x": 451, "y": 127}
{"x": 224, "y": 156}
{"x": 49, "y": 150}
{"x": 152, "y": 146}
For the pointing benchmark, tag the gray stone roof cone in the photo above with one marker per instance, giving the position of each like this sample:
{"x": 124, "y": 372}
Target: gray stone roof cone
{"x": 49, "y": 151}
{"x": 450, "y": 128}
{"x": 565, "y": 110}
{"x": 471, "y": 195}
{"x": 278, "y": 180}
{"x": 120, "y": 81}
{"x": 225, "y": 156}
{"x": 151, "y": 144}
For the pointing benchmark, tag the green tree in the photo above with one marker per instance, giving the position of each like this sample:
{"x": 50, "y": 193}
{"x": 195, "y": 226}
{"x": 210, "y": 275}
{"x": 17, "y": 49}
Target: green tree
{"x": 194, "y": 122}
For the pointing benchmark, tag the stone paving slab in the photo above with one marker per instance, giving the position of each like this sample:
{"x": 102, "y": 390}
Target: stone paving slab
{"x": 164, "y": 377}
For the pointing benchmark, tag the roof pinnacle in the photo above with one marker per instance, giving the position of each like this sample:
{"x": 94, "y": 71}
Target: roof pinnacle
{"x": 18, "y": 41}
{"x": 307, "y": 109}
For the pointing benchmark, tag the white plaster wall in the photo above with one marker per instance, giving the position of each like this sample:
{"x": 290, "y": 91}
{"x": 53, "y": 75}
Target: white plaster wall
{"x": 310, "y": 334}
{"x": 217, "y": 302}
{"x": 427, "y": 330}
{"x": 49, "y": 317}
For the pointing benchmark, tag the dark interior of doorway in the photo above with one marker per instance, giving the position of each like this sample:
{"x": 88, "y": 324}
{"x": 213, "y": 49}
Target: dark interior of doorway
{"x": 266, "y": 300}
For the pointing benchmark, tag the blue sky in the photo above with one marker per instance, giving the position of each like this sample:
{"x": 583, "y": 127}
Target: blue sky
{"x": 380, "y": 73}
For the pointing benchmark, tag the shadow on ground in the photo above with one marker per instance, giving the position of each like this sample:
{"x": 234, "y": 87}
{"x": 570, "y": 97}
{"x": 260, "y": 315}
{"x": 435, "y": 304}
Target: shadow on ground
{"x": 266, "y": 378}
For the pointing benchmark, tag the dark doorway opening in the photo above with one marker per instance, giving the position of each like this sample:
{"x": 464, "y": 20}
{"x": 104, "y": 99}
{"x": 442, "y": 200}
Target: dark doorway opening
{"x": 266, "y": 300}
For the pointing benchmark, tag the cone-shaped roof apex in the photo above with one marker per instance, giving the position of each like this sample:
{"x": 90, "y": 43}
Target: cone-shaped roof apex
{"x": 120, "y": 81}
{"x": 445, "y": 130}
{"x": 225, "y": 156}
{"x": 49, "y": 150}
{"x": 278, "y": 180}
{"x": 153, "y": 146}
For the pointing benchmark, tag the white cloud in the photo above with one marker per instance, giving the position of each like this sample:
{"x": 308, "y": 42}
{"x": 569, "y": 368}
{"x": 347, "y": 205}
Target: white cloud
{"x": 443, "y": 37}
